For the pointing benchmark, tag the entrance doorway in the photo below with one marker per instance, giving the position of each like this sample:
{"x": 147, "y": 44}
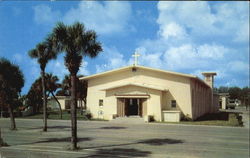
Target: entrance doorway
{"x": 131, "y": 107}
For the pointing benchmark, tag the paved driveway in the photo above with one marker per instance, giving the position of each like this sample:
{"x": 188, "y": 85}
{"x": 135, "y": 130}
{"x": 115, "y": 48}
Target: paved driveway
{"x": 107, "y": 139}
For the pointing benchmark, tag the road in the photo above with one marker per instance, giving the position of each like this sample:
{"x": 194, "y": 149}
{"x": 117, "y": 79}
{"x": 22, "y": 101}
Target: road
{"x": 108, "y": 139}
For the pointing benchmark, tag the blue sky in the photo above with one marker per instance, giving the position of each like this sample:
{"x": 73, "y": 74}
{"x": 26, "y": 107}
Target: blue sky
{"x": 186, "y": 37}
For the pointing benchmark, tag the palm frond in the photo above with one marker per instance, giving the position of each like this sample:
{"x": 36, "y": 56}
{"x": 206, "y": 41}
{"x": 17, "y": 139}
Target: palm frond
{"x": 33, "y": 53}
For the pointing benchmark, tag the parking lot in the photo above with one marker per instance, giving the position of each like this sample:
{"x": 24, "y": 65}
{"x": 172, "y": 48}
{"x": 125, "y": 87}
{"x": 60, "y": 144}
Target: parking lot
{"x": 108, "y": 139}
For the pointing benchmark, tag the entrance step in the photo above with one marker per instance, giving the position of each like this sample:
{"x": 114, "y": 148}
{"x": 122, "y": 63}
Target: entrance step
{"x": 129, "y": 120}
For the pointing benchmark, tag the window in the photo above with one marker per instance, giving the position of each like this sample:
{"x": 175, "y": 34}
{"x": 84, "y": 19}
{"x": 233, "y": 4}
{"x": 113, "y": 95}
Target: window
{"x": 173, "y": 103}
{"x": 100, "y": 102}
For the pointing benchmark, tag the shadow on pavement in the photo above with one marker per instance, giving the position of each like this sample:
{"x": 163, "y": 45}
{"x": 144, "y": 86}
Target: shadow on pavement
{"x": 113, "y": 127}
{"x": 66, "y": 139}
{"x": 119, "y": 153}
{"x": 160, "y": 141}
{"x": 155, "y": 141}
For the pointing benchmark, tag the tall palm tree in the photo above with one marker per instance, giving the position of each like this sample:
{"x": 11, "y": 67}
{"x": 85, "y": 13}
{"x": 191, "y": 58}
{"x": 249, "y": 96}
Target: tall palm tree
{"x": 76, "y": 42}
{"x": 43, "y": 53}
{"x": 11, "y": 83}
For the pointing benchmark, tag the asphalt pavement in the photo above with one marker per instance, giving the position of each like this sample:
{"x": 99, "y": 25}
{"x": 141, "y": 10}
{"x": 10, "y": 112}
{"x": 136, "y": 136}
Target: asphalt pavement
{"x": 109, "y": 139}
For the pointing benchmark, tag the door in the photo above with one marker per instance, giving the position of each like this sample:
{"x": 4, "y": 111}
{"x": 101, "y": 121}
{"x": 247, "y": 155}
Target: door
{"x": 120, "y": 107}
{"x": 144, "y": 106}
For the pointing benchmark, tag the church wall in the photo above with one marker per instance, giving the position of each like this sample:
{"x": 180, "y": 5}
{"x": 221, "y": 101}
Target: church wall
{"x": 201, "y": 99}
{"x": 153, "y": 102}
{"x": 178, "y": 89}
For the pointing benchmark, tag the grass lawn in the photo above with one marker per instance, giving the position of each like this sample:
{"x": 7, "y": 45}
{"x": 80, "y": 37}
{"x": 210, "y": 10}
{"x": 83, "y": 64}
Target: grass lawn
{"x": 218, "y": 119}
{"x": 56, "y": 116}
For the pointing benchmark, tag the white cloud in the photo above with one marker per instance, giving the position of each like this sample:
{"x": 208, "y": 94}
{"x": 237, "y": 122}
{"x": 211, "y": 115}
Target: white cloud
{"x": 189, "y": 56}
{"x": 105, "y": 18}
{"x": 238, "y": 66}
{"x": 43, "y": 14}
{"x": 83, "y": 69}
{"x": 148, "y": 59}
{"x": 113, "y": 58}
{"x": 201, "y": 20}
{"x": 196, "y": 36}
{"x": 172, "y": 30}
{"x": 213, "y": 51}
{"x": 242, "y": 35}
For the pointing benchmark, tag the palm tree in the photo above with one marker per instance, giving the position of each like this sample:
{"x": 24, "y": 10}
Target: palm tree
{"x": 76, "y": 42}
{"x": 11, "y": 83}
{"x": 43, "y": 53}
{"x": 34, "y": 95}
{"x": 65, "y": 87}
{"x": 52, "y": 86}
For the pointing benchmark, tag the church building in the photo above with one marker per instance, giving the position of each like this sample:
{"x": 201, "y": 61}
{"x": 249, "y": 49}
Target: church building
{"x": 149, "y": 93}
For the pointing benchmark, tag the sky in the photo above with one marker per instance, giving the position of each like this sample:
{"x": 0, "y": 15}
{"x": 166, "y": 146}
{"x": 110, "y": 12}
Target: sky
{"x": 187, "y": 37}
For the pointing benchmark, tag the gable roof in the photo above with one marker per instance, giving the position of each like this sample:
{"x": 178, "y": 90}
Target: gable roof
{"x": 132, "y": 66}
{"x": 142, "y": 67}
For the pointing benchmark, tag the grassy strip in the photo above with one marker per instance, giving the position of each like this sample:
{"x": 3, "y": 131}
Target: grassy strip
{"x": 233, "y": 120}
{"x": 65, "y": 116}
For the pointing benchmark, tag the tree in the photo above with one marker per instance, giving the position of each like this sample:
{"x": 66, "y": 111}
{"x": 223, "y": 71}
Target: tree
{"x": 52, "y": 86}
{"x": 223, "y": 89}
{"x": 65, "y": 87}
{"x": 245, "y": 96}
{"x": 76, "y": 42}
{"x": 11, "y": 83}
{"x": 43, "y": 53}
{"x": 34, "y": 95}
{"x": 234, "y": 92}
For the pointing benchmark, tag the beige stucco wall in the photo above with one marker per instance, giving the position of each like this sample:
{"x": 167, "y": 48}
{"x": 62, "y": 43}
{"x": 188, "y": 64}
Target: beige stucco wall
{"x": 153, "y": 102}
{"x": 201, "y": 99}
{"x": 178, "y": 89}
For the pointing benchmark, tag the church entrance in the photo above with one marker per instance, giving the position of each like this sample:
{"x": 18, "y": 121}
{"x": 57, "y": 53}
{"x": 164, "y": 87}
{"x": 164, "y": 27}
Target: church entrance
{"x": 131, "y": 107}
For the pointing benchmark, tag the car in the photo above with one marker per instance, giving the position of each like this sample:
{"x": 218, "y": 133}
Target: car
{"x": 231, "y": 104}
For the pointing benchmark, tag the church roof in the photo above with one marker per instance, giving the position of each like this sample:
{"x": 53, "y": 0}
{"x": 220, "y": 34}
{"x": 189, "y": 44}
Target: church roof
{"x": 132, "y": 66}
{"x": 141, "y": 67}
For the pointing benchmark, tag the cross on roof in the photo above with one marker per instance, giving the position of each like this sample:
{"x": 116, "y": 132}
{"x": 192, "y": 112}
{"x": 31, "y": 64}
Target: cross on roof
{"x": 136, "y": 55}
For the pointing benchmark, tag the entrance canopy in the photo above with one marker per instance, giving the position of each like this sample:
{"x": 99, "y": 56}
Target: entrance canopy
{"x": 132, "y": 95}
{"x": 144, "y": 85}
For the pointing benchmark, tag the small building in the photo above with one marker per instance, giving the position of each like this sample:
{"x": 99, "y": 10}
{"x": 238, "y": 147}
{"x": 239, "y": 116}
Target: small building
{"x": 147, "y": 92}
{"x": 64, "y": 101}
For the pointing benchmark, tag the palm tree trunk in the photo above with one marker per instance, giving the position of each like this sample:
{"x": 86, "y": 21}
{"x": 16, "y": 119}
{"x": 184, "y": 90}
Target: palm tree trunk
{"x": 58, "y": 104}
{"x": 12, "y": 118}
{"x": 44, "y": 102}
{"x": 73, "y": 112}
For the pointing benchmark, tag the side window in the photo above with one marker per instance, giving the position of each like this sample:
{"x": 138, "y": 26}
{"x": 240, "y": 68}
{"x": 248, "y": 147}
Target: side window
{"x": 100, "y": 102}
{"x": 173, "y": 103}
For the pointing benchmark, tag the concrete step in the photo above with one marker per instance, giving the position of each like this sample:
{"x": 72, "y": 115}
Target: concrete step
{"x": 129, "y": 120}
